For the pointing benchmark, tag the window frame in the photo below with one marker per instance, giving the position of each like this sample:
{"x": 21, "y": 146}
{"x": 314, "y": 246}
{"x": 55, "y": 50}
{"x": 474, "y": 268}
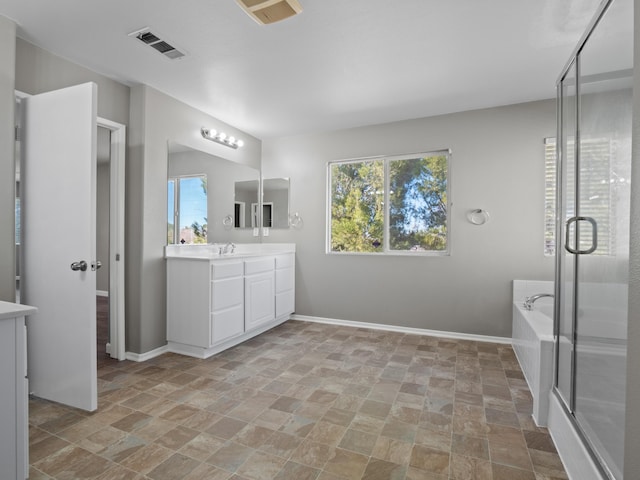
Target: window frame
{"x": 386, "y": 159}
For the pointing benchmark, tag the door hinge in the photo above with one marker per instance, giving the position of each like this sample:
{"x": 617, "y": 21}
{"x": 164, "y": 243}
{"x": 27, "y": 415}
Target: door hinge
{"x": 117, "y": 257}
{"x": 17, "y": 133}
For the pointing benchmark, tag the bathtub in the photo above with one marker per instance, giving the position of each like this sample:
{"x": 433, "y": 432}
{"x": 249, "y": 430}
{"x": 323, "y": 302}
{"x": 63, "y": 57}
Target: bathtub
{"x": 532, "y": 340}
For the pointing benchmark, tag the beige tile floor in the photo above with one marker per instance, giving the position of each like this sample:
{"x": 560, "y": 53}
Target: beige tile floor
{"x": 304, "y": 402}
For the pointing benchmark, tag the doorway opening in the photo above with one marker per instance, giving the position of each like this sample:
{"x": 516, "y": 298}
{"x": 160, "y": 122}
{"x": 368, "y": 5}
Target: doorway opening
{"x": 110, "y": 235}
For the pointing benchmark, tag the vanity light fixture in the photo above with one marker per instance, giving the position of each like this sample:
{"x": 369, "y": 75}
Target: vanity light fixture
{"x": 221, "y": 138}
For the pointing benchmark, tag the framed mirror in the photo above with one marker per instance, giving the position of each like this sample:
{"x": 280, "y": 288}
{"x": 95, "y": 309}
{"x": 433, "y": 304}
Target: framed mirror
{"x": 201, "y": 197}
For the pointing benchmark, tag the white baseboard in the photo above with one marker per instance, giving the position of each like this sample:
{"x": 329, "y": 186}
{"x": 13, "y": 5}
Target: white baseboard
{"x": 142, "y": 357}
{"x": 400, "y": 329}
{"x": 102, "y": 293}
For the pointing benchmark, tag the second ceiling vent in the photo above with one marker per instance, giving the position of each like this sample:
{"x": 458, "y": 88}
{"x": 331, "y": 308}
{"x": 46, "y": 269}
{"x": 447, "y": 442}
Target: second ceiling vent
{"x": 270, "y": 11}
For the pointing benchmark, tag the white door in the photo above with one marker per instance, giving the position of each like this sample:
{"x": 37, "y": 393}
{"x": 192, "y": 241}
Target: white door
{"x": 59, "y": 243}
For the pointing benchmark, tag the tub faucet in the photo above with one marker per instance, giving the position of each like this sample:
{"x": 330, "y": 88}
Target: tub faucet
{"x": 528, "y": 302}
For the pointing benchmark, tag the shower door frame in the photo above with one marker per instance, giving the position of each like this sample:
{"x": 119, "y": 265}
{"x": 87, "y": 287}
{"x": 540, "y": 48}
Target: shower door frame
{"x": 573, "y": 65}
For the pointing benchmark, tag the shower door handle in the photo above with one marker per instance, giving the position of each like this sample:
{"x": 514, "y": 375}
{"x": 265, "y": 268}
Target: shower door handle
{"x": 594, "y": 235}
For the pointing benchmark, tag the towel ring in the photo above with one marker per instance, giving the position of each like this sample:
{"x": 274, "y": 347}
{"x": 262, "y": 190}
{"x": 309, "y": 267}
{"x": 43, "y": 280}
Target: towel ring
{"x": 478, "y": 216}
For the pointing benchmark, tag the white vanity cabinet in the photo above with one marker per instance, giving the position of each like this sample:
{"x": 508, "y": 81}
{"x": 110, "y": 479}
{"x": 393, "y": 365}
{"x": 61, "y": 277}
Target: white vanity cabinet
{"x": 14, "y": 433}
{"x": 215, "y": 302}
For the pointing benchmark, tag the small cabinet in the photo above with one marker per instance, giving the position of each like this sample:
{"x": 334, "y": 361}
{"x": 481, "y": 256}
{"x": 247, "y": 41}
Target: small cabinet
{"x": 259, "y": 299}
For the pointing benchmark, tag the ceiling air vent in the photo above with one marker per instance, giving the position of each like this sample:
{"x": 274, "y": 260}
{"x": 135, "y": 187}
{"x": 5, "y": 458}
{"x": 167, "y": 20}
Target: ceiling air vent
{"x": 154, "y": 41}
{"x": 270, "y": 11}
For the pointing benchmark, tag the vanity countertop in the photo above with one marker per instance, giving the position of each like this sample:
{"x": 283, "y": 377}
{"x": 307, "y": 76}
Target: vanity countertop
{"x": 12, "y": 310}
{"x": 242, "y": 250}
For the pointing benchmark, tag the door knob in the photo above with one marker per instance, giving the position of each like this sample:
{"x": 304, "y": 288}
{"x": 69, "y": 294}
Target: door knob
{"x": 96, "y": 265}
{"x": 81, "y": 265}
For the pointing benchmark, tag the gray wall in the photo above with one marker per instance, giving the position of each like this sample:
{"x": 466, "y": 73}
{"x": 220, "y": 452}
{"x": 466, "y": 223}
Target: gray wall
{"x": 497, "y": 164}
{"x": 156, "y": 119}
{"x": 40, "y": 71}
{"x": 7, "y": 163}
{"x": 632, "y": 421}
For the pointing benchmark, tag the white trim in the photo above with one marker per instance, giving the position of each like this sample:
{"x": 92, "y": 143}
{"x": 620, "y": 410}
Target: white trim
{"x": 143, "y": 357}
{"x": 102, "y": 293}
{"x": 401, "y": 329}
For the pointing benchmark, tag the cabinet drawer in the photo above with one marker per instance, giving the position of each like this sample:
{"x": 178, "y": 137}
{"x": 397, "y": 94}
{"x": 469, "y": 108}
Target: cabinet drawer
{"x": 227, "y": 324}
{"x": 227, "y": 293}
{"x": 285, "y": 261}
{"x": 225, "y": 270}
{"x": 251, "y": 267}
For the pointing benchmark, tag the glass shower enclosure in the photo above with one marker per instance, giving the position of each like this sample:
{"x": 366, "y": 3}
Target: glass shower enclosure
{"x": 594, "y": 155}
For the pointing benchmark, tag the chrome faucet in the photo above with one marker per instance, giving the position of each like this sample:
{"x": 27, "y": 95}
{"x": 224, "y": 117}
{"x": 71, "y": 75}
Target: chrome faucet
{"x": 228, "y": 248}
{"x": 528, "y": 302}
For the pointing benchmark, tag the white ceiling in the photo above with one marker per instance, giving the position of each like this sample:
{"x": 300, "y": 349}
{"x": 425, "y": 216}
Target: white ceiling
{"x": 339, "y": 64}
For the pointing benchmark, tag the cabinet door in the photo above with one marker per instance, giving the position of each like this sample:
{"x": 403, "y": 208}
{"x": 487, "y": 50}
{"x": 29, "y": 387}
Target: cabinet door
{"x": 285, "y": 285}
{"x": 285, "y": 303}
{"x": 226, "y": 324}
{"x": 259, "y": 299}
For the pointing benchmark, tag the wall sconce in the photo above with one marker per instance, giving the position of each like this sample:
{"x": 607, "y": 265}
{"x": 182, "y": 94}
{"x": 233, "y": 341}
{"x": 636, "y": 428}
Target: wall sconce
{"x": 221, "y": 138}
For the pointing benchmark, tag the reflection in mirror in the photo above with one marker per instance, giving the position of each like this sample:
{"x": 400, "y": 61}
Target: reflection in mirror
{"x": 200, "y": 213}
{"x": 246, "y": 206}
{"x": 187, "y": 207}
{"x": 275, "y": 203}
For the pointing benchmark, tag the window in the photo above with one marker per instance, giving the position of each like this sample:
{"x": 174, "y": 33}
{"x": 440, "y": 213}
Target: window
{"x": 550, "y": 196}
{"x": 390, "y": 205}
{"x": 597, "y": 189}
{"x": 187, "y": 208}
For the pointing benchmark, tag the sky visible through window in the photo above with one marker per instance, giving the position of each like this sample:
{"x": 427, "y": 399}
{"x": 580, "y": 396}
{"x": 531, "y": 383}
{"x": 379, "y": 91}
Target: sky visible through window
{"x": 193, "y": 202}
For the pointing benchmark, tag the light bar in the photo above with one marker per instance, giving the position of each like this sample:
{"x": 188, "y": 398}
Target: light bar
{"x": 221, "y": 138}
